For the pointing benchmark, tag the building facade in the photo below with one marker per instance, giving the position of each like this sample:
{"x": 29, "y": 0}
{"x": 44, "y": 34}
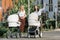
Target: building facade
{"x": 52, "y": 6}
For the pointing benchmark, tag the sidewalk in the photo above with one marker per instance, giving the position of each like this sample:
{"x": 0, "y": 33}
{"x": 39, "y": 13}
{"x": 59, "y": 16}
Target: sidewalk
{"x": 57, "y": 30}
{"x": 52, "y": 30}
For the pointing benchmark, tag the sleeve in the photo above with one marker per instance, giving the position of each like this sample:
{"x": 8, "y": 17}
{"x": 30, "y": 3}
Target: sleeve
{"x": 40, "y": 10}
{"x": 24, "y": 13}
{"x": 39, "y": 13}
{"x": 43, "y": 8}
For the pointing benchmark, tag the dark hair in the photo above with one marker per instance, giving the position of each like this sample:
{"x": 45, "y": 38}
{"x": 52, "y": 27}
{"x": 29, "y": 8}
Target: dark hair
{"x": 37, "y": 8}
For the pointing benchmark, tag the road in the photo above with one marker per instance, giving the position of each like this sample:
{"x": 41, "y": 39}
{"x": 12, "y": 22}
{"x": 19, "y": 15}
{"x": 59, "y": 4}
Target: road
{"x": 50, "y": 35}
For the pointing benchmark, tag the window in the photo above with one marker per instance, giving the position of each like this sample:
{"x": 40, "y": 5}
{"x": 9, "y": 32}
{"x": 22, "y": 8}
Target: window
{"x": 50, "y": 5}
{"x": 58, "y": 4}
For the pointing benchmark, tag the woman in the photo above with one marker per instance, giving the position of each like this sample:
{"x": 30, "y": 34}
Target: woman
{"x": 34, "y": 16}
{"x": 22, "y": 16}
{"x": 36, "y": 8}
{"x": 39, "y": 11}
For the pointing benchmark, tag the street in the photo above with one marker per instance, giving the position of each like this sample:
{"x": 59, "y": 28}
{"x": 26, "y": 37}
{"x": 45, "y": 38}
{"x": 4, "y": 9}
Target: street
{"x": 50, "y": 35}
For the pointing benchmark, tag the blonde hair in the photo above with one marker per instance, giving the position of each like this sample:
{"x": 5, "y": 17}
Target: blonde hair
{"x": 21, "y": 7}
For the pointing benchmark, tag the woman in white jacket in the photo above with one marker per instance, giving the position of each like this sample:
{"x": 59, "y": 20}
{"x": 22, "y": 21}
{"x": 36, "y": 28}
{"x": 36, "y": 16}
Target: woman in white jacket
{"x": 33, "y": 17}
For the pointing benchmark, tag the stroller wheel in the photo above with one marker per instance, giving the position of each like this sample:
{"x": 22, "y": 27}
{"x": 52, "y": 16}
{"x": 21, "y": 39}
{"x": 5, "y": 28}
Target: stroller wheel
{"x": 20, "y": 35}
{"x": 11, "y": 36}
{"x": 40, "y": 35}
{"x": 34, "y": 36}
{"x": 8, "y": 34}
{"x": 28, "y": 36}
{"x": 16, "y": 34}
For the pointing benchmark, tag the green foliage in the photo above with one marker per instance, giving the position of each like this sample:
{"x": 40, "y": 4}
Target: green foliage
{"x": 58, "y": 25}
{"x": 17, "y": 5}
{"x": 25, "y": 3}
{"x": 50, "y": 23}
{"x": 14, "y": 10}
{"x": 3, "y": 30}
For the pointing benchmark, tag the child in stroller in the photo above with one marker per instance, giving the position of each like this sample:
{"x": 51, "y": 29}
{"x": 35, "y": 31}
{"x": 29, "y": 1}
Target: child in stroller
{"x": 13, "y": 25}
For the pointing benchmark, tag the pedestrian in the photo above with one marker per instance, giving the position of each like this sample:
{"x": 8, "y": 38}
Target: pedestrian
{"x": 22, "y": 16}
{"x": 37, "y": 12}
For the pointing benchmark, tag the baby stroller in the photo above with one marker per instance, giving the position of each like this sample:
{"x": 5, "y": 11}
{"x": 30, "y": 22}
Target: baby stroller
{"x": 13, "y": 25}
{"x": 34, "y": 26}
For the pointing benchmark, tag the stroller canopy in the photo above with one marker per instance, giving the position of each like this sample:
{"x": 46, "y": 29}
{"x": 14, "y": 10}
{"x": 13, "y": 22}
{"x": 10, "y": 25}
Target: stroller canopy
{"x": 13, "y": 20}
